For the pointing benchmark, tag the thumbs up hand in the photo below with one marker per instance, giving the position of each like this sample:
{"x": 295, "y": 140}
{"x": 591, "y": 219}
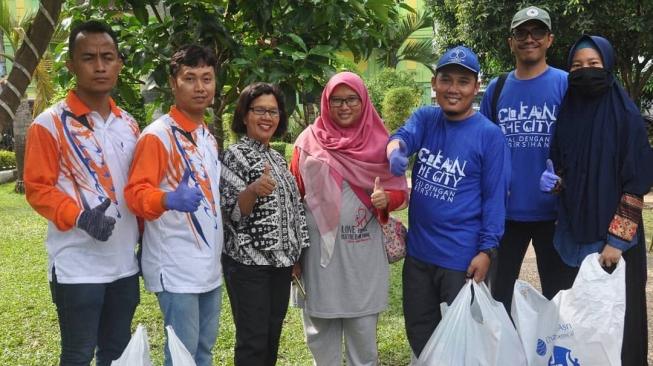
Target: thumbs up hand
{"x": 96, "y": 223}
{"x": 398, "y": 160}
{"x": 265, "y": 184}
{"x": 379, "y": 197}
{"x": 549, "y": 180}
{"x": 184, "y": 198}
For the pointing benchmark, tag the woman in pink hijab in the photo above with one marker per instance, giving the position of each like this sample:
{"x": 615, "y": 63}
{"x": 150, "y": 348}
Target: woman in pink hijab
{"x": 343, "y": 174}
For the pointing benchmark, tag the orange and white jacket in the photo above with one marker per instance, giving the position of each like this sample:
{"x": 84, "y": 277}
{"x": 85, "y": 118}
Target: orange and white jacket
{"x": 181, "y": 251}
{"x": 74, "y": 160}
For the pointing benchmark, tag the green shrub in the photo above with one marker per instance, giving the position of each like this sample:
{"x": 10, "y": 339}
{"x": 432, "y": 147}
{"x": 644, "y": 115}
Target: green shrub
{"x": 398, "y": 104}
{"x": 7, "y": 159}
{"x": 295, "y": 126}
{"x": 279, "y": 146}
{"x": 283, "y": 148}
{"x": 381, "y": 83}
{"x": 289, "y": 150}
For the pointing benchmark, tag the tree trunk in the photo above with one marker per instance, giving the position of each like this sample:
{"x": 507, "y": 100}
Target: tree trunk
{"x": 3, "y": 63}
{"x": 40, "y": 32}
{"x": 21, "y": 123}
{"x": 217, "y": 128}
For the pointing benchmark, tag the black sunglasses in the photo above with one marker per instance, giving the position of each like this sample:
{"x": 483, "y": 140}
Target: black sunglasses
{"x": 535, "y": 33}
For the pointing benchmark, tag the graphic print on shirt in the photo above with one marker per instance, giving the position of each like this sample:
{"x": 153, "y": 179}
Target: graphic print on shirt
{"x": 185, "y": 155}
{"x": 529, "y": 126}
{"x": 357, "y": 232}
{"x": 438, "y": 175}
{"x": 79, "y": 145}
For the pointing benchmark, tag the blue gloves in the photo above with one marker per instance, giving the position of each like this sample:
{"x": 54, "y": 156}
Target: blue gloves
{"x": 184, "y": 198}
{"x": 549, "y": 179}
{"x": 96, "y": 223}
{"x": 399, "y": 160}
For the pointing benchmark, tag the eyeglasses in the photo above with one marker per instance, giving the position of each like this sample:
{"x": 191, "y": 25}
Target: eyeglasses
{"x": 535, "y": 33}
{"x": 350, "y": 101}
{"x": 259, "y": 111}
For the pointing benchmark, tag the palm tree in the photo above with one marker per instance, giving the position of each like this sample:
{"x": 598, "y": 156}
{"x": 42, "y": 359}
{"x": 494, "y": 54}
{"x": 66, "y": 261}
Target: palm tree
{"x": 16, "y": 31}
{"x": 397, "y": 45}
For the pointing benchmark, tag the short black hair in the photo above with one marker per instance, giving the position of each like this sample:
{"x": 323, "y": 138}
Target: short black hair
{"x": 91, "y": 26}
{"x": 192, "y": 55}
{"x": 248, "y": 95}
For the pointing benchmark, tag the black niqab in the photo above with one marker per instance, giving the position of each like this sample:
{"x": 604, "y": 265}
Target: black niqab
{"x": 601, "y": 150}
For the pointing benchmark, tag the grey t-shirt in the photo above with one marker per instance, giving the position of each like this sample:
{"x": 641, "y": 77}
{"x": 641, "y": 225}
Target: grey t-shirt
{"x": 355, "y": 283}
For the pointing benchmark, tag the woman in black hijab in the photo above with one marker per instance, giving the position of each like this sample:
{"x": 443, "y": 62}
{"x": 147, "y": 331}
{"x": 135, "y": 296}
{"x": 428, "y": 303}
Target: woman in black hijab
{"x": 602, "y": 165}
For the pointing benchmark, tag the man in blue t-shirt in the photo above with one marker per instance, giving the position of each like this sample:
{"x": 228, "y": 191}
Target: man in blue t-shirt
{"x": 526, "y": 111}
{"x": 459, "y": 187}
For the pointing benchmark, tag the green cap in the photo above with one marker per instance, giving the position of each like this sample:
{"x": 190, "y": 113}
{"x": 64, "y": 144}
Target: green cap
{"x": 530, "y": 13}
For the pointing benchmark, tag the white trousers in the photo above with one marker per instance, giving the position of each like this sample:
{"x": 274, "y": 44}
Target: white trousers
{"x": 325, "y": 337}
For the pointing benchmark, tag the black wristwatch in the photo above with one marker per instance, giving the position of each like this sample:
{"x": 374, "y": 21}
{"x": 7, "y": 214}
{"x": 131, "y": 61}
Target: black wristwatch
{"x": 491, "y": 253}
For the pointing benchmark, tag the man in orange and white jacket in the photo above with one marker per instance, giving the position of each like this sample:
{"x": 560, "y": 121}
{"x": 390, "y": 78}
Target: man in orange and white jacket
{"x": 173, "y": 184}
{"x": 76, "y": 163}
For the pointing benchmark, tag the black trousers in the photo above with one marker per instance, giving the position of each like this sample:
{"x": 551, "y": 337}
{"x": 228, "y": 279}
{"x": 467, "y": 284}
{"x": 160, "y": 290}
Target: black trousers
{"x": 634, "y": 350}
{"x": 554, "y": 273}
{"x": 425, "y": 286}
{"x": 259, "y": 298}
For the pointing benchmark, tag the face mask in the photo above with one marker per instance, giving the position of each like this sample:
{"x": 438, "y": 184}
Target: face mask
{"x": 590, "y": 81}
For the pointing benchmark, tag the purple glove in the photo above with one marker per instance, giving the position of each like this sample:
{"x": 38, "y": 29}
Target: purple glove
{"x": 399, "y": 160}
{"x": 184, "y": 198}
{"x": 549, "y": 179}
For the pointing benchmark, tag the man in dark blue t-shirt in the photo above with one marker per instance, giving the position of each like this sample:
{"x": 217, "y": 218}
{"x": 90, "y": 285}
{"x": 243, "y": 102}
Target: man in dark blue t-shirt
{"x": 459, "y": 187}
{"x": 526, "y": 111}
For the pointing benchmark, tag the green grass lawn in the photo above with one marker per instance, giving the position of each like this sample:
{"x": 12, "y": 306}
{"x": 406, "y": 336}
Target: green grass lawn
{"x": 29, "y": 332}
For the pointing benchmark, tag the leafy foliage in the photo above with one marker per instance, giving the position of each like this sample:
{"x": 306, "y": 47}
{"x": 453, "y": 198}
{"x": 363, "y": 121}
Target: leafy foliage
{"x": 398, "y": 104}
{"x": 396, "y": 45}
{"x": 484, "y": 26}
{"x": 291, "y": 43}
{"x": 15, "y": 30}
{"x": 387, "y": 79}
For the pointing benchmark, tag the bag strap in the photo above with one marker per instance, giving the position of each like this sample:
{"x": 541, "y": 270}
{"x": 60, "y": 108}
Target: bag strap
{"x": 501, "y": 80}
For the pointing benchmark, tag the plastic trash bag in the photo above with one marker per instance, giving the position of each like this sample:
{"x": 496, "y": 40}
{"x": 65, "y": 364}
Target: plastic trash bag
{"x": 137, "y": 352}
{"x": 474, "y": 331}
{"x": 178, "y": 352}
{"x": 578, "y": 327}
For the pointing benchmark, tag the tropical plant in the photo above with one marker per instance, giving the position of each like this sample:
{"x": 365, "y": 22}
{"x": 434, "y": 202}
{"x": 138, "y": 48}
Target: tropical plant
{"x": 28, "y": 55}
{"x": 397, "y": 45}
{"x": 16, "y": 30}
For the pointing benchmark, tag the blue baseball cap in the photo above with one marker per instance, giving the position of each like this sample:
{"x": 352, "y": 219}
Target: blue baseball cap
{"x": 460, "y": 55}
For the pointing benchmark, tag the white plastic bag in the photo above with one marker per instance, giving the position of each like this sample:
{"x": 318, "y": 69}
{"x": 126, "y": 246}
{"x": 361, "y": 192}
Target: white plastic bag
{"x": 474, "y": 331}
{"x": 178, "y": 352}
{"x": 578, "y": 327}
{"x": 137, "y": 352}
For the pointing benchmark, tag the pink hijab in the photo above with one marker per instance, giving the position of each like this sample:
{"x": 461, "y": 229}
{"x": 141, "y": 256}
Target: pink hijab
{"x": 330, "y": 154}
